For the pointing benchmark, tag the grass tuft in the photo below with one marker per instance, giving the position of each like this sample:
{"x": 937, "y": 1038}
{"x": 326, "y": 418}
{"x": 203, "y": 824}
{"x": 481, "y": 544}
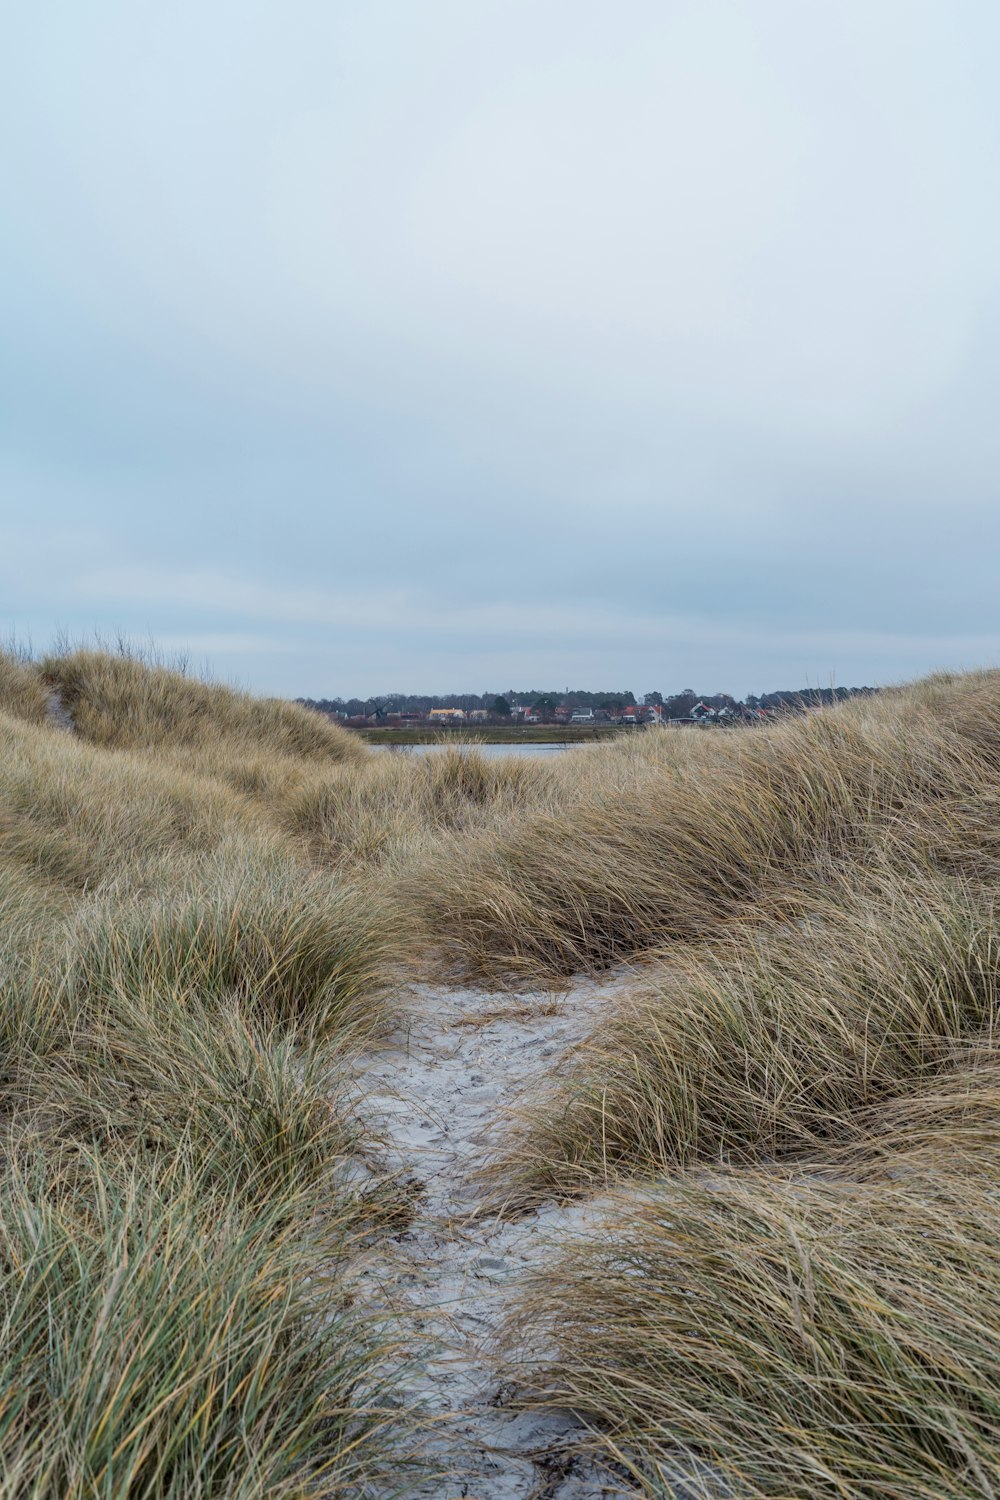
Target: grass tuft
{"x": 121, "y": 702}
{"x": 22, "y": 692}
{"x": 293, "y": 948}
{"x": 161, "y": 1340}
{"x": 771, "y": 1042}
{"x": 794, "y": 1335}
{"x": 692, "y": 839}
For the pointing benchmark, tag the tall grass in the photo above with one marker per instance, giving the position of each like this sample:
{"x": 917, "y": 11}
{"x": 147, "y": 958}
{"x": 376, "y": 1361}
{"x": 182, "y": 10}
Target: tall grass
{"x": 771, "y": 1042}
{"x": 120, "y": 701}
{"x": 799, "y": 1336}
{"x": 163, "y": 1339}
{"x": 256, "y": 1105}
{"x": 185, "y": 1189}
{"x": 22, "y": 692}
{"x": 685, "y": 849}
{"x": 204, "y": 903}
{"x": 385, "y": 813}
{"x": 291, "y": 946}
{"x": 78, "y": 817}
{"x": 799, "y": 1293}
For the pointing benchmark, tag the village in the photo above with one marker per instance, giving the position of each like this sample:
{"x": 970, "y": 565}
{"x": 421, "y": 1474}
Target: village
{"x": 573, "y": 710}
{"x": 630, "y": 716}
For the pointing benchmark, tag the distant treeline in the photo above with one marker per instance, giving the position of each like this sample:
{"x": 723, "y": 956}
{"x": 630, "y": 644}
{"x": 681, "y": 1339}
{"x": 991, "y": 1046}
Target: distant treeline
{"x": 675, "y": 704}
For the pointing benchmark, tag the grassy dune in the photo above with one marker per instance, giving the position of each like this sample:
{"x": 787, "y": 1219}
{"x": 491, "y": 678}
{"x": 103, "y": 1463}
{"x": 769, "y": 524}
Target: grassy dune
{"x": 121, "y": 702}
{"x": 799, "y": 1289}
{"x": 792, "y": 1098}
{"x": 798, "y": 1335}
{"x": 702, "y": 831}
{"x": 22, "y": 691}
{"x": 386, "y": 814}
{"x": 163, "y": 1337}
{"x": 182, "y": 991}
{"x": 766, "y": 1045}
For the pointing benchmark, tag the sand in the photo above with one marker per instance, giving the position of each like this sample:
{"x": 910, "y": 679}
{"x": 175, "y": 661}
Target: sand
{"x": 439, "y": 1091}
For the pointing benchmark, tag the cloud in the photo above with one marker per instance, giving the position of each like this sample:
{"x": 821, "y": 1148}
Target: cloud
{"x": 355, "y": 625}
{"x": 411, "y": 342}
{"x": 212, "y": 644}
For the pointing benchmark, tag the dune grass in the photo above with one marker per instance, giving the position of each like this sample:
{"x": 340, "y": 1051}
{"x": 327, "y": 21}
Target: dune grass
{"x": 182, "y": 1074}
{"x": 793, "y": 1096}
{"x": 771, "y": 1041}
{"x": 80, "y": 817}
{"x": 163, "y": 1338}
{"x": 682, "y": 850}
{"x": 787, "y": 1335}
{"x": 22, "y": 691}
{"x": 291, "y": 946}
{"x": 186, "y": 1189}
{"x": 792, "y": 1100}
{"x": 384, "y": 814}
{"x": 123, "y": 702}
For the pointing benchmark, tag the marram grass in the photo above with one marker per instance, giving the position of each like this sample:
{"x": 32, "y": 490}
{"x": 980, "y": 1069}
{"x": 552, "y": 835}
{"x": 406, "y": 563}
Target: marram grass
{"x": 257, "y": 1105}
{"x": 205, "y": 901}
{"x": 120, "y": 701}
{"x": 163, "y": 1340}
{"x": 796, "y": 1336}
{"x": 768, "y": 1044}
{"x": 186, "y": 1190}
{"x": 697, "y": 839}
{"x": 292, "y": 946}
{"x": 22, "y": 692}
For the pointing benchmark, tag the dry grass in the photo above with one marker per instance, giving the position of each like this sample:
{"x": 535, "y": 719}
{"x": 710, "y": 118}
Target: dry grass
{"x": 185, "y": 1191}
{"x": 386, "y": 813}
{"x": 289, "y": 945}
{"x": 770, "y": 1042}
{"x": 203, "y": 900}
{"x": 81, "y": 818}
{"x": 800, "y": 1294}
{"x": 163, "y": 1338}
{"x": 121, "y": 702}
{"x": 22, "y": 691}
{"x": 806, "y": 1335}
{"x": 255, "y": 1105}
{"x": 682, "y": 848}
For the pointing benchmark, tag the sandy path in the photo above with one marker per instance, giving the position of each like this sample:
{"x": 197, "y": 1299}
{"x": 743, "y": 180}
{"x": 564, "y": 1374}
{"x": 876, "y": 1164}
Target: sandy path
{"x": 59, "y": 716}
{"x": 440, "y": 1089}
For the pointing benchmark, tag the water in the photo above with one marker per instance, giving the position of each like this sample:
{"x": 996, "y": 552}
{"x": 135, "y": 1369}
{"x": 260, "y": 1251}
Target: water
{"x": 492, "y": 752}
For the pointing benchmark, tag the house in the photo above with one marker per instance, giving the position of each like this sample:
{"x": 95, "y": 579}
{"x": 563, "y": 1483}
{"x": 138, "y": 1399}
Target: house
{"x": 705, "y": 715}
{"x": 447, "y": 715}
{"x": 582, "y": 716}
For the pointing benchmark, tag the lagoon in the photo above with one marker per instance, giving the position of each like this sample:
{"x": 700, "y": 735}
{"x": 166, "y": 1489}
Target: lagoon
{"x": 492, "y": 752}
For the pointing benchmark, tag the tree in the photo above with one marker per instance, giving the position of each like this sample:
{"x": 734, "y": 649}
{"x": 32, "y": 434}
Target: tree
{"x": 681, "y": 704}
{"x": 501, "y": 708}
{"x": 653, "y": 699}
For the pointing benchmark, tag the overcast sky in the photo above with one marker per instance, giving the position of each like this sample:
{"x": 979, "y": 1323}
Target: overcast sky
{"x": 446, "y": 345}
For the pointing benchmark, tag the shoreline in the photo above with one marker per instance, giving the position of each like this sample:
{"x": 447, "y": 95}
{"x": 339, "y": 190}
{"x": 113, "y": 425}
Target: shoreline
{"x": 534, "y": 734}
